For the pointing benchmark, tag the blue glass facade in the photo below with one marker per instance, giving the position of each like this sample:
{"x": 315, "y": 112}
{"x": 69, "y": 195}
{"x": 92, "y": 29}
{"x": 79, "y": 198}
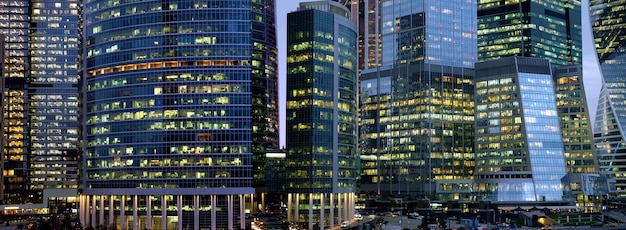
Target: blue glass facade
{"x": 40, "y": 104}
{"x": 416, "y": 103}
{"x": 519, "y": 151}
{"x": 179, "y": 102}
{"x": 548, "y": 29}
{"x": 321, "y": 114}
{"x": 610, "y": 122}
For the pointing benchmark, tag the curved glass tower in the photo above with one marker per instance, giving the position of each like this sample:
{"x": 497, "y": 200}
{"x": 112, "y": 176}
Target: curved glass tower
{"x": 609, "y": 129}
{"x": 179, "y": 102}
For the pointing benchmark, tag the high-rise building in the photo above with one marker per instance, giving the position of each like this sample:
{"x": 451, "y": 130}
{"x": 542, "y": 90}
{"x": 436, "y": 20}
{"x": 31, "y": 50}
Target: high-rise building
{"x": 40, "y": 102}
{"x": 548, "y": 29}
{"x": 519, "y": 150}
{"x": 179, "y": 102}
{"x": 321, "y": 114}
{"x": 416, "y": 106}
{"x": 610, "y": 122}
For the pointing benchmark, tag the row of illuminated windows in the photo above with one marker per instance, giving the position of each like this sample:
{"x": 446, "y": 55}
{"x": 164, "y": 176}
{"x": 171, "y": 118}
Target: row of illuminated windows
{"x": 194, "y": 161}
{"x": 497, "y": 114}
{"x": 310, "y": 103}
{"x": 500, "y": 129}
{"x": 503, "y": 145}
{"x": 173, "y": 125}
{"x": 160, "y": 174}
{"x": 499, "y": 138}
{"x": 181, "y": 113}
{"x": 173, "y": 64}
{"x": 502, "y": 161}
{"x": 53, "y": 145}
{"x": 185, "y": 149}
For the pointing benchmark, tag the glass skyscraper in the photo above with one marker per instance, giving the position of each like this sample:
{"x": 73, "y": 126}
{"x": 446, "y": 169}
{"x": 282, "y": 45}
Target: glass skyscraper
{"x": 416, "y": 106}
{"x": 179, "y": 102}
{"x": 40, "y": 104}
{"x": 548, "y": 29}
{"x": 321, "y": 114}
{"x": 610, "y": 122}
{"x": 519, "y": 150}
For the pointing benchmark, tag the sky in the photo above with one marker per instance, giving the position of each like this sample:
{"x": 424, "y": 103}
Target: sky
{"x": 591, "y": 73}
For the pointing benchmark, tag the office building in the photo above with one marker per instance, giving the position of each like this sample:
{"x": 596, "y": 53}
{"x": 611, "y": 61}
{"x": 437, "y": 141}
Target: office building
{"x": 40, "y": 102}
{"x": 178, "y": 105}
{"x": 547, "y": 29}
{"x": 610, "y": 122}
{"x": 321, "y": 114}
{"x": 519, "y": 150}
{"x": 416, "y": 106}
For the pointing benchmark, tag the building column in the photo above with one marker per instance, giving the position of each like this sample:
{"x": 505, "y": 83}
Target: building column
{"x": 289, "y": 208}
{"x": 297, "y": 209}
{"x": 81, "y": 209}
{"x": 196, "y": 212}
{"x": 92, "y": 223}
{"x": 111, "y": 211}
{"x": 179, "y": 210}
{"x": 122, "y": 212}
{"x": 322, "y": 209}
{"x": 135, "y": 223}
{"x": 213, "y": 212}
{"x": 252, "y": 206}
{"x": 263, "y": 202}
{"x": 163, "y": 212}
{"x": 339, "y": 209}
{"x": 149, "y": 212}
{"x": 242, "y": 211}
{"x": 87, "y": 216}
{"x": 310, "y": 211}
{"x": 102, "y": 212}
{"x": 230, "y": 211}
{"x": 332, "y": 211}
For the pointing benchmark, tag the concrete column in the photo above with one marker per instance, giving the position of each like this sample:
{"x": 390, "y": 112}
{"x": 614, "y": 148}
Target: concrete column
{"x": 339, "y": 209}
{"x": 92, "y": 223}
{"x": 252, "y": 206}
{"x": 149, "y": 212}
{"x": 230, "y": 211}
{"x": 332, "y": 211}
{"x": 81, "y": 209}
{"x": 135, "y": 207}
{"x": 310, "y": 211}
{"x": 111, "y": 211}
{"x": 289, "y": 208}
{"x": 297, "y": 209}
{"x": 179, "y": 210}
{"x": 122, "y": 212}
{"x": 196, "y": 212}
{"x": 263, "y": 202}
{"x": 213, "y": 212}
{"x": 322, "y": 209}
{"x": 87, "y": 216}
{"x": 242, "y": 211}
{"x": 102, "y": 212}
{"x": 163, "y": 212}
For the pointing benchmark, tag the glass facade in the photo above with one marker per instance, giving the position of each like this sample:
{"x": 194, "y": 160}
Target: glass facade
{"x": 179, "y": 100}
{"x": 40, "y": 103}
{"x": 321, "y": 113}
{"x": 548, "y": 29}
{"x": 609, "y": 131}
{"x": 519, "y": 151}
{"x": 416, "y": 109}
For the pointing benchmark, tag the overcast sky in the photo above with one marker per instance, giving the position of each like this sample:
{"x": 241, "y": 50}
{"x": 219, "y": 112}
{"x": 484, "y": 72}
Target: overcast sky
{"x": 590, "y": 70}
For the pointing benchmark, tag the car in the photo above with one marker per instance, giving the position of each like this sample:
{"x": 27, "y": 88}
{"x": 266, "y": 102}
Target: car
{"x": 345, "y": 224}
{"x": 358, "y": 216}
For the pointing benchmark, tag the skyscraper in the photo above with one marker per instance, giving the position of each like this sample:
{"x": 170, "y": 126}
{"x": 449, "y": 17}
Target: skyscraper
{"x": 416, "y": 106}
{"x": 519, "y": 150}
{"x": 40, "y": 102}
{"x": 178, "y": 106}
{"x": 610, "y": 121}
{"x": 548, "y": 29}
{"x": 321, "y": 114}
